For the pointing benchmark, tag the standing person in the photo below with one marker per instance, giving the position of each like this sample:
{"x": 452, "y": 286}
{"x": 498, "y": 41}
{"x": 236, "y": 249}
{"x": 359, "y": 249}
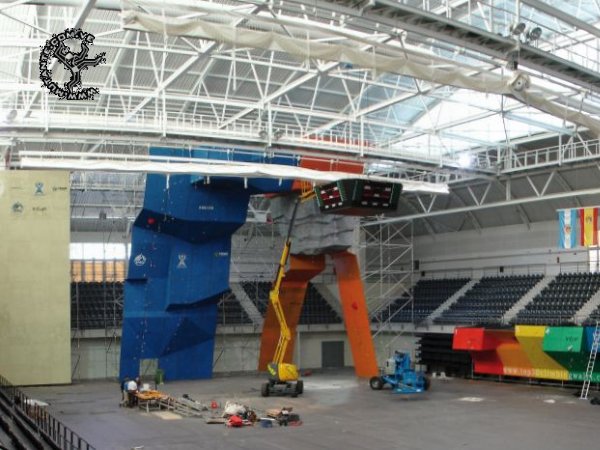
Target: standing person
{"x": 123, "y": 386}
{"x": 132, "y": 388}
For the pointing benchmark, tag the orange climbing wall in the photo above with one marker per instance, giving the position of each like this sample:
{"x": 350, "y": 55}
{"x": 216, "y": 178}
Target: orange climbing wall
{"x": 531, "y": 338}
{"x": 356, "y": 318}
{"x": 293, "y": 290}
{"x": 513, "y": 357}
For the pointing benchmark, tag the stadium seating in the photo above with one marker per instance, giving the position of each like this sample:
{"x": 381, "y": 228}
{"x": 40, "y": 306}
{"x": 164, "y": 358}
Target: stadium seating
{"x": 96, "y": 305}
{"x": 428, "y": 296}
{"x": 560, "y": 300}
{"x": 230, "y": 311}
{"x": 488, "y": 300}
{"x": 593, "y": 317}
{"x": 434, "y": 350}
{"x": 258, "y": 292}
{"x": 315, "y": 310}
{"x": 99, "y": 305}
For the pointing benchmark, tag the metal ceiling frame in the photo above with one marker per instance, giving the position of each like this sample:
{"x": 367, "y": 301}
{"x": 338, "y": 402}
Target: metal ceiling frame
{"x": 290, "y": 98}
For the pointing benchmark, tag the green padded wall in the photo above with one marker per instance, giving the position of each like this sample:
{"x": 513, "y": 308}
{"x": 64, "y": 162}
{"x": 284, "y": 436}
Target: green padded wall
{"x": 567, "y": 346}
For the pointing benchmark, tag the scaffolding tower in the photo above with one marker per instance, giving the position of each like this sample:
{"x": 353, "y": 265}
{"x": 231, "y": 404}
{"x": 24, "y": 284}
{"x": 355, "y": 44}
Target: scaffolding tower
{"x": 386, "y": 251}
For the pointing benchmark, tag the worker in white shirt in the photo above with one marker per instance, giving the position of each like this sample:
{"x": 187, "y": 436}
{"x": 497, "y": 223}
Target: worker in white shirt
{"x": 132, "y": 388}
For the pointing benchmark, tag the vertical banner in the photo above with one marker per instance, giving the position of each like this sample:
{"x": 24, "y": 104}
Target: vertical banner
{"x": 567, "y": 233}
{"x": 588, "y": 220}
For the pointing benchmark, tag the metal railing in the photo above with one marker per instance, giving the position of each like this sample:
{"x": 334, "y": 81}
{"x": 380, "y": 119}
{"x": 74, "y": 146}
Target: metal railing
{"x": 571, "y": 151}
{"x": 50, "y": 429}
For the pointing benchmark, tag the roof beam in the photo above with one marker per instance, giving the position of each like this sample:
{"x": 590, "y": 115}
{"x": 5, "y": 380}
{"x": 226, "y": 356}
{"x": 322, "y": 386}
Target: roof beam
{"x": 563, "y": 182}
{"x": 538, "y": 123}
{"x": 270, "y": 97}
{"x": 209, "y": 100}
{"x": 564, "y": 17}
{"x": 184, "y": 67}
{"x": 461, "y": 34}
{"x": 469, "y": 213}
{"x": 426, "y": 222}
{"x": 180, "y": 71}
{"x": 520, "y": 210}
{"x": 326, "y": 68}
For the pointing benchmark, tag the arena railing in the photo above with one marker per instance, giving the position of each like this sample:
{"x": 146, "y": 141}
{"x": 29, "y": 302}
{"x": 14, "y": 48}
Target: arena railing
{"x": 53, "y": 431}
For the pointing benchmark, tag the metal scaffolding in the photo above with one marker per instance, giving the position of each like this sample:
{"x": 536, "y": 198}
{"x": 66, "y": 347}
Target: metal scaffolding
{"x": 387, "y": 253}
{"x": 388, "y": 266}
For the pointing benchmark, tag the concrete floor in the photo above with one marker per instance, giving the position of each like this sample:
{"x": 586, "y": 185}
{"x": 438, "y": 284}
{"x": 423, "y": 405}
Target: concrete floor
{"x": 341, "y": 413}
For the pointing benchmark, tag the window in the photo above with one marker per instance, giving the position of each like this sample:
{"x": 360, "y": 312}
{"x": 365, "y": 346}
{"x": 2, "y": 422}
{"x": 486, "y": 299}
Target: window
{"x": 93, "y": 250}
{"x": 96, "y": 261}
{"x": 594, "y": 257}
{"x": 98, "y": 271}
{"x": 114, "y": 251}
{"x": 99, "y": 251}
{"x": 76, "y": 250}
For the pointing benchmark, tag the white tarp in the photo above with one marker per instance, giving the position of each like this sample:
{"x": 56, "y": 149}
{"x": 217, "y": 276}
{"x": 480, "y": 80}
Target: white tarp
{"x": 222, "y": 169}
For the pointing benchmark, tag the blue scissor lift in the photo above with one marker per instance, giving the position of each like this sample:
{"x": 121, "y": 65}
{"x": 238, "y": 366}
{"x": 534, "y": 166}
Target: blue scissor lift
{"x": 404, "y": 379}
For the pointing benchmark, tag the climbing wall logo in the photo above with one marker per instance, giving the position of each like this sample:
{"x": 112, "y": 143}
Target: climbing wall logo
{"x": 74, "y": 62}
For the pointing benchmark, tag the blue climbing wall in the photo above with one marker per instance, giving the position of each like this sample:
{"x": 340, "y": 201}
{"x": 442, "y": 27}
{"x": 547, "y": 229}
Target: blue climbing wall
{"x": 179, "y": 265}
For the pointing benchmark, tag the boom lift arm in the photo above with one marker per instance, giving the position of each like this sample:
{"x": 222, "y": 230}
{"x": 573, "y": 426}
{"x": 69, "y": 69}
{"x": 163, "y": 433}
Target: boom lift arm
{"x": 283, "y": 377}
{"x": 284, "y": 330}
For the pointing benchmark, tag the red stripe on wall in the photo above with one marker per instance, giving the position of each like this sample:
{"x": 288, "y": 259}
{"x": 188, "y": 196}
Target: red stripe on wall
{"x": 581, "y": 215}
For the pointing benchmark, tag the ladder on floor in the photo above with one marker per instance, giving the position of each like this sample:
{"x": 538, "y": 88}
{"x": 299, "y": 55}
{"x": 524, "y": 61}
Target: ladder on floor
{"x": 585, "y": 389}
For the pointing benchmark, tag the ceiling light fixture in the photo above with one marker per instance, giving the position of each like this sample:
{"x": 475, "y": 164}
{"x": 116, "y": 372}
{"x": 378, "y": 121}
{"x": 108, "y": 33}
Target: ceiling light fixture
{"x": 534, "y": 34}
{"x": 517, "y": 28}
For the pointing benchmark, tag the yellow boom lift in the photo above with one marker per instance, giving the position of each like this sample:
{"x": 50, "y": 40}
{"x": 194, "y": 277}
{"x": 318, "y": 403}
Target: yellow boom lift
{"x": 283, "y": 377}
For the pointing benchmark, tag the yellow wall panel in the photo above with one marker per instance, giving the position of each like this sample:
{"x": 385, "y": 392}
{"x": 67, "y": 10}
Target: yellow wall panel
{"x": 35, "y": 277}
{"x": 531, "y": 338}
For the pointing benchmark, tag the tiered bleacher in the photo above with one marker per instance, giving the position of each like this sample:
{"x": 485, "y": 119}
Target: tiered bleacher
{"x": 96, "y": 305}
{"x": 230, "y": 311}
{"x": 315, "y": 309}
{"x": 434, "y": 350}
{"x": 593, "y": 317}
{"x": 488, "y": 301}
{"x": 428, "y": 296}
{"x": 560, "y": 300}
{"x": 258, "y": 292}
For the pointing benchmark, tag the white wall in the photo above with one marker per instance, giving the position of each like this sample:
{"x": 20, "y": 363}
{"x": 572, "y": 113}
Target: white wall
{"x": 34, "y": 277}
{"x": 515, "y": 247}
{"x": 95, "y": 358}
{"x": 233, "y": 352}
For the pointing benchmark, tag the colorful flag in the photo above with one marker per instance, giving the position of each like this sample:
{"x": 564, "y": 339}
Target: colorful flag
{"x": 568, "y": 224}
{"x": 588, "y": 220}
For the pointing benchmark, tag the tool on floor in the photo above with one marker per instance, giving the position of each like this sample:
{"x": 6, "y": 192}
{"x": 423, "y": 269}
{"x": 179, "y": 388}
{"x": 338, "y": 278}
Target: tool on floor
{"x": 401, "y": 376}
